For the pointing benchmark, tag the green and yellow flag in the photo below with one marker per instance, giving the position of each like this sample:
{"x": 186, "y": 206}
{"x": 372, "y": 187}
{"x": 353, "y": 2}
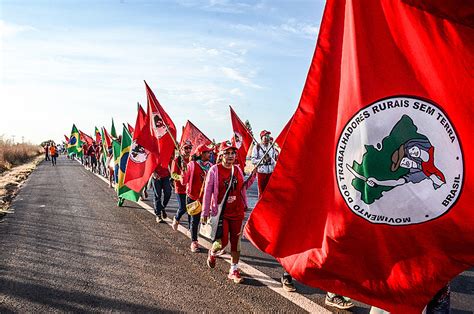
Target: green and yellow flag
{"x": 123, "y": 191}
{"x": 74, "y": 146}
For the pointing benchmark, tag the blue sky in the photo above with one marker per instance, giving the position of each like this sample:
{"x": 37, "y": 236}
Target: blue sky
{"x": 84, "y": 62}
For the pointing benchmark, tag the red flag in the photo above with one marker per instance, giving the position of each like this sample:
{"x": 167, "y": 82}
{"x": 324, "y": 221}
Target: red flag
{"x": 194, "y": 135}
{"x": 86, "y": 138}
{"x": 162, "y": 129}
{"x": 372, "y": 195}
{"x": 67, "y": 138}
{"x": 108, "y": 138}
{"x": 242, "y": 138}
{"x": 141, "y": 162}
{"x": 98, "y": 138}
{"x": 130, "y": 128}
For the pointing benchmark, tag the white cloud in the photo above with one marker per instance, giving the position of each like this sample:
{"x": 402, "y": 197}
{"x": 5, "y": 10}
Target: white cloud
{"x": 10, "y": 29}
{"x": 224, "y": 6}
{"x": 291, "y": 27}
{"x": 235, "y": 75}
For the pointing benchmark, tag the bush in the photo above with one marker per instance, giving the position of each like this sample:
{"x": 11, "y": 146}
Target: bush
{"x": 16, "y": 154}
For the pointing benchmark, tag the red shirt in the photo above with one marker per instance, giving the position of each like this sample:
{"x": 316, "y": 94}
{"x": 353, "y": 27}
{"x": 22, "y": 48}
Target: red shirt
{"x": 235, "y": 207}
{"x": 162, "y": 172}
{"x": 198, "y": 180}
{"x": 175, "y": 169}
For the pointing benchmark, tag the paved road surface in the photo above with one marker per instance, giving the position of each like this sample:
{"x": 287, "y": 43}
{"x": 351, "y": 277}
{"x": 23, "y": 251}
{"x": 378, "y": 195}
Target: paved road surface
{"x": 67, "y": 247}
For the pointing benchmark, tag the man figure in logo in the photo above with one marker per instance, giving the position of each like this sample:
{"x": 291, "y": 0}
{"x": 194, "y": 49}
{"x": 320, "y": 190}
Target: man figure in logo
{"x": 417, "y": 155}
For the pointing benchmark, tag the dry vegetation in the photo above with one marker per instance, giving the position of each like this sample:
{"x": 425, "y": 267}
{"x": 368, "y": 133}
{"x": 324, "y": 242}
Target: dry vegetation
{"x": 16, "y": 154}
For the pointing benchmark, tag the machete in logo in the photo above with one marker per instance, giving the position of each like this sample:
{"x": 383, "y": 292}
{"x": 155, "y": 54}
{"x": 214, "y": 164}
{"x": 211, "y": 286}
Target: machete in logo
{"x": 399, "y": 162}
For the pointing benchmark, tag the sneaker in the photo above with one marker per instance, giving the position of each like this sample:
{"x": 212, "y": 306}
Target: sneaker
{"x": 211, "y": 260}
{"x": 195, "y": 247}
{"x": 159, "y": 219}
{"x": 287, "y": 284}
{"x": 175, "y": 224}
{"x": 338, "y": 301}
{"x": 164, "y": 215}
{"x": 235, "y": 276}
{"x": 220, "y": 252}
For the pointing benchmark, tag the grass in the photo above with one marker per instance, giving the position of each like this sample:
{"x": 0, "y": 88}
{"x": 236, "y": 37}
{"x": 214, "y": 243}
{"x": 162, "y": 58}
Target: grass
{"x": 16, "y": 154}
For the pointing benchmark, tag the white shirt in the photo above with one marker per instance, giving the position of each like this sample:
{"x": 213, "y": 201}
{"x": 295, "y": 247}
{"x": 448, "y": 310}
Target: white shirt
{"x": 269, "y": 162}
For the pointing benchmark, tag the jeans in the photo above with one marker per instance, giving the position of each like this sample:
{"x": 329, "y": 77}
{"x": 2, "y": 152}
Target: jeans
{"x": 194, "y": 227}
{"x": 53, "y": 160}
{"x": 161, "y": 186}
{"x": 181, "y": 208}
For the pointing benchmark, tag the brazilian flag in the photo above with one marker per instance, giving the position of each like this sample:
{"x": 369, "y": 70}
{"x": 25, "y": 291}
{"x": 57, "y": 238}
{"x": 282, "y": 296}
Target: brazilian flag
{"x": 116, "y": 153}
{"x": 123, "y": 191}
{"x": 74, "y": 146}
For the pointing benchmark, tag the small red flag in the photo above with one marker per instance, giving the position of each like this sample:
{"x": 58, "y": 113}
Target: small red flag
{"x": 192, "y": 134}
{"x": 372, "y": 194}
{"x": 108, "y": 138}
{"x": 141, "y": 162}
{"x": 98, "y": 138}
{"x": 130, "y": 128}
{"x": 242, "y": 138}
{"x": 86, "y": 138}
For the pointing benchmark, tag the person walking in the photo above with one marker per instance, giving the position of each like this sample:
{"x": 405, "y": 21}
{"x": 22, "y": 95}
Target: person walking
{"x": 46, "y": 152}
{"x": 177, "y": 169}
{"x": 194, "y": 178}
{"x": 53, "y": 150}
{"x": 162, "y": 192}
{"x": 225, "y": 199}
{"x": 266, "y": 162}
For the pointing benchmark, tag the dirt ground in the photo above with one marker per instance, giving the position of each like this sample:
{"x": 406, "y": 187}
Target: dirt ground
{"x": 11, "y": 181}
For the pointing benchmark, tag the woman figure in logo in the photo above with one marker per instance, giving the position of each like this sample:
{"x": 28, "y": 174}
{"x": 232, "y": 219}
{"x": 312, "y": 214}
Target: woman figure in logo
{"x": 417, "y": 155}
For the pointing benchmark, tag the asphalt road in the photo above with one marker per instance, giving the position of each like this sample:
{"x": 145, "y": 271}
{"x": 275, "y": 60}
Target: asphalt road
{"x": 68, "y": 247}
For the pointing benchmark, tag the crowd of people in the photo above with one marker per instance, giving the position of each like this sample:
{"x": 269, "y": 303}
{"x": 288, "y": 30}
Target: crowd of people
{"x": 211, "y": 185}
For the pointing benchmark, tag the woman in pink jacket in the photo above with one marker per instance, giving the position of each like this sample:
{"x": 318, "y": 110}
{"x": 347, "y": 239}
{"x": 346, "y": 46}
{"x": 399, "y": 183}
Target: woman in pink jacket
{"x": 225, "y": 198}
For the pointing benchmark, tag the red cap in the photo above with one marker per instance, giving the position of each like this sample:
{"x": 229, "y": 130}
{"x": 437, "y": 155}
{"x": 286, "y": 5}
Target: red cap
{"x": 264, "y": 132}
{"x": 226, "y": 145}
{"x": 202, "y": 148}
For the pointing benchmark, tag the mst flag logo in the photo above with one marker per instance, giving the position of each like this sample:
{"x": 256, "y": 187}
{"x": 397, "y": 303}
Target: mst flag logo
{"x": 138, "y": 153}
{"x": 399, "y": 162}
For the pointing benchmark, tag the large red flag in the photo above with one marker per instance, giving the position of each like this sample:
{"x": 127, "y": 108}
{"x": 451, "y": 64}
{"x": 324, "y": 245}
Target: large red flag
{"x": 192, "y": 134}
{"x": 372, "y": 194}
{"x": 142, "y": 162}
{"x": 242, "y": 138}
{"x": 162, "y": 129}
{"x": 86, "y": 138}
{"x": 280, "y": 140}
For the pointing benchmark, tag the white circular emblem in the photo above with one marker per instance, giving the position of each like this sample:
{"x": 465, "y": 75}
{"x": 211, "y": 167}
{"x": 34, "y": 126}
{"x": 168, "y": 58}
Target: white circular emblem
{"x": 399, "y": 162}
{"x": 238, "y": 139}
{"x": 138, "y": 153}
{"x": 159, "y": 127}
